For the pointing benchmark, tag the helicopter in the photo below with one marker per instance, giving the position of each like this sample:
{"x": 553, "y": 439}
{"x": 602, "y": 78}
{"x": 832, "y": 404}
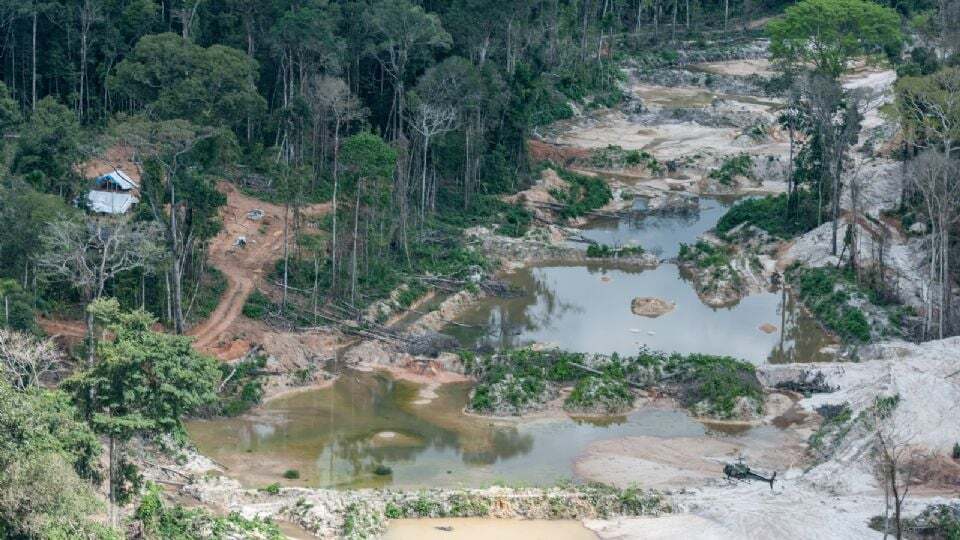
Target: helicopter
{"x": 741, "y": 471}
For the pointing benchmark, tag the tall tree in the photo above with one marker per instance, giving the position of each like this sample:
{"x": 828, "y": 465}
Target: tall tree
{"x": 180, "y": 197}
{"x": 400, "y": 31}
{"x": 144, "y": 382}
{"x": 369, "y": 164}
{"x": 171, "y": 77}
{"x": 829, "y": 33}
{"x": 90, "y": 252}
{"x": 49, "y": 145}
{"x": 330, "y": 98}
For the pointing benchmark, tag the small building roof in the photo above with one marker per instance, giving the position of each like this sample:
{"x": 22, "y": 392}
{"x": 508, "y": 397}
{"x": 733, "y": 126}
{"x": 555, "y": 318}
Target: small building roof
{"x": 110, "y": 202}
{"x": 119, "y": 179}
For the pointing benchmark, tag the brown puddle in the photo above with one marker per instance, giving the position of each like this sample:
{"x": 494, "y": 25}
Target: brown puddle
{"x": 340, "y": 436}
{"x": 486, "y": 528}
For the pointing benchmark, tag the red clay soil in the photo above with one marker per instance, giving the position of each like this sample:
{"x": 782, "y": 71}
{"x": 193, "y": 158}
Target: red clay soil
{"x": 558, "y": 155}
{"x": 242, "y": 267}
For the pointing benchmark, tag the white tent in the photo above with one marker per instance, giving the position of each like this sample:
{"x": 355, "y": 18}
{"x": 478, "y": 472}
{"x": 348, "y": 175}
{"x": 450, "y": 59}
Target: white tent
{"x": 110, "y": 202}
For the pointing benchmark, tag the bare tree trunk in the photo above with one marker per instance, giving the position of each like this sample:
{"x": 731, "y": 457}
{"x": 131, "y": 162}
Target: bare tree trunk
{"x": 316, "y": 284}
{"x": 423, "y": 179}
{"x": 726, "y": 14}
{"x": 286, "y": 254}
{"x": 336, "y": 176}
{"x": 33, "y": 83}
{"x": 353, "y": 257}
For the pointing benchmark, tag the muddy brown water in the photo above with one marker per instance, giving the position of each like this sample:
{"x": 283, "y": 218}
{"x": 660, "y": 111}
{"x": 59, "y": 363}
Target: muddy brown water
{"x": 338, "y": 436}
{"x": 369, "y": 423}
{"x": 486, "y": 528}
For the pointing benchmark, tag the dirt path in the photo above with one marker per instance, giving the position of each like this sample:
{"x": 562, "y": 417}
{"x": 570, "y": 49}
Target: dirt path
{"x": 244, "y": 267}
{"x": 56, "y": 327}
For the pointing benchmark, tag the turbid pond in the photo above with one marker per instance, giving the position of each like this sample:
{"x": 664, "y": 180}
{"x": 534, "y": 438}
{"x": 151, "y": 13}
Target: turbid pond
{"x": 339, "y": 436}
{"x": 586, "y": 307}
{"x": 368, "y": 429}
{"x": 486, "y": 528}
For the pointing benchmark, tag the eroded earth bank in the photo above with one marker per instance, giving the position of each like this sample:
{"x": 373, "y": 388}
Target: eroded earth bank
{"x": 509, "y": 396}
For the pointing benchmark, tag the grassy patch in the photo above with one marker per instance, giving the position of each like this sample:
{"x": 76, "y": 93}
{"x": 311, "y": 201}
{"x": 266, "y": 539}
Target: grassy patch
{"x": 257, "y": 306}
{"x": 160, "y": 520}
{"x": 212, "y": 286}
{"x": 616, "y": 157}
{"x": 773, "y": 214}
{"x": 604, "y": 251}
{"x": 732, "y": 167}
{"x": 584, "y": 194}
{"x": 827, "y": 292}
{"x": 487, "y": 210}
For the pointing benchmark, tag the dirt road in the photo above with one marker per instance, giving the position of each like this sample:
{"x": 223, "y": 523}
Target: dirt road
{"x": 243, "y": 267}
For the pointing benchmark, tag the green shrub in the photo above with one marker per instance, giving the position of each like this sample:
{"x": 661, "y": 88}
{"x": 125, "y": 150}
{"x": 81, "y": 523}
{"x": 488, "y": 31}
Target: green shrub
{"x": 956, "y": 450}
{"x": 739, "y": 165}
{"x": 392, "y": 511}
{"x": 583, "y": 194}
{"x": 272, "y": 489}
{"x": 414, "y": 291}
{"x": 608, "y": 394}
{"x": 159, "y": 520}
{"x": 772, "y": 214}
{"x": 382, "y": 470}
{"x": 257, "y": 305}
{"x": 291, "y": 474}
{"x": 824, "y": 292}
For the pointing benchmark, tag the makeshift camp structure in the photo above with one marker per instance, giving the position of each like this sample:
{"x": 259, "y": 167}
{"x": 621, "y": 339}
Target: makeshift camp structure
{"x": 113, "y": 193}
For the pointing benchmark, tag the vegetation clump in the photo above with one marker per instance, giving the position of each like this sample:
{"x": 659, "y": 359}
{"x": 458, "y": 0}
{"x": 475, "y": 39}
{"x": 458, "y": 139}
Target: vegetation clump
{"x": 616, "y": 157}
{"x": 773, "y": 214}
{"x": 159, "y": 520}
{"x": 740, "y": 165}
{"x": 600, "y": 395}
{"x": 711, "y": 268}
{"x": 605, "y": 251}
{"x": 828, "y": 293}
{"x": 583, "y": 195}
{"x": 241, "y": 388}
{"x": 936, "y": 521}
{"x": 716, "y": 386}
{"x": 520, "y": 380}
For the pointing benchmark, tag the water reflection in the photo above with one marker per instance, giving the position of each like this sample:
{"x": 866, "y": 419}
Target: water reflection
{"x": 340, "y": 435}
{"x": 659, "y": 233}
{"x": 595, "y": 316}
